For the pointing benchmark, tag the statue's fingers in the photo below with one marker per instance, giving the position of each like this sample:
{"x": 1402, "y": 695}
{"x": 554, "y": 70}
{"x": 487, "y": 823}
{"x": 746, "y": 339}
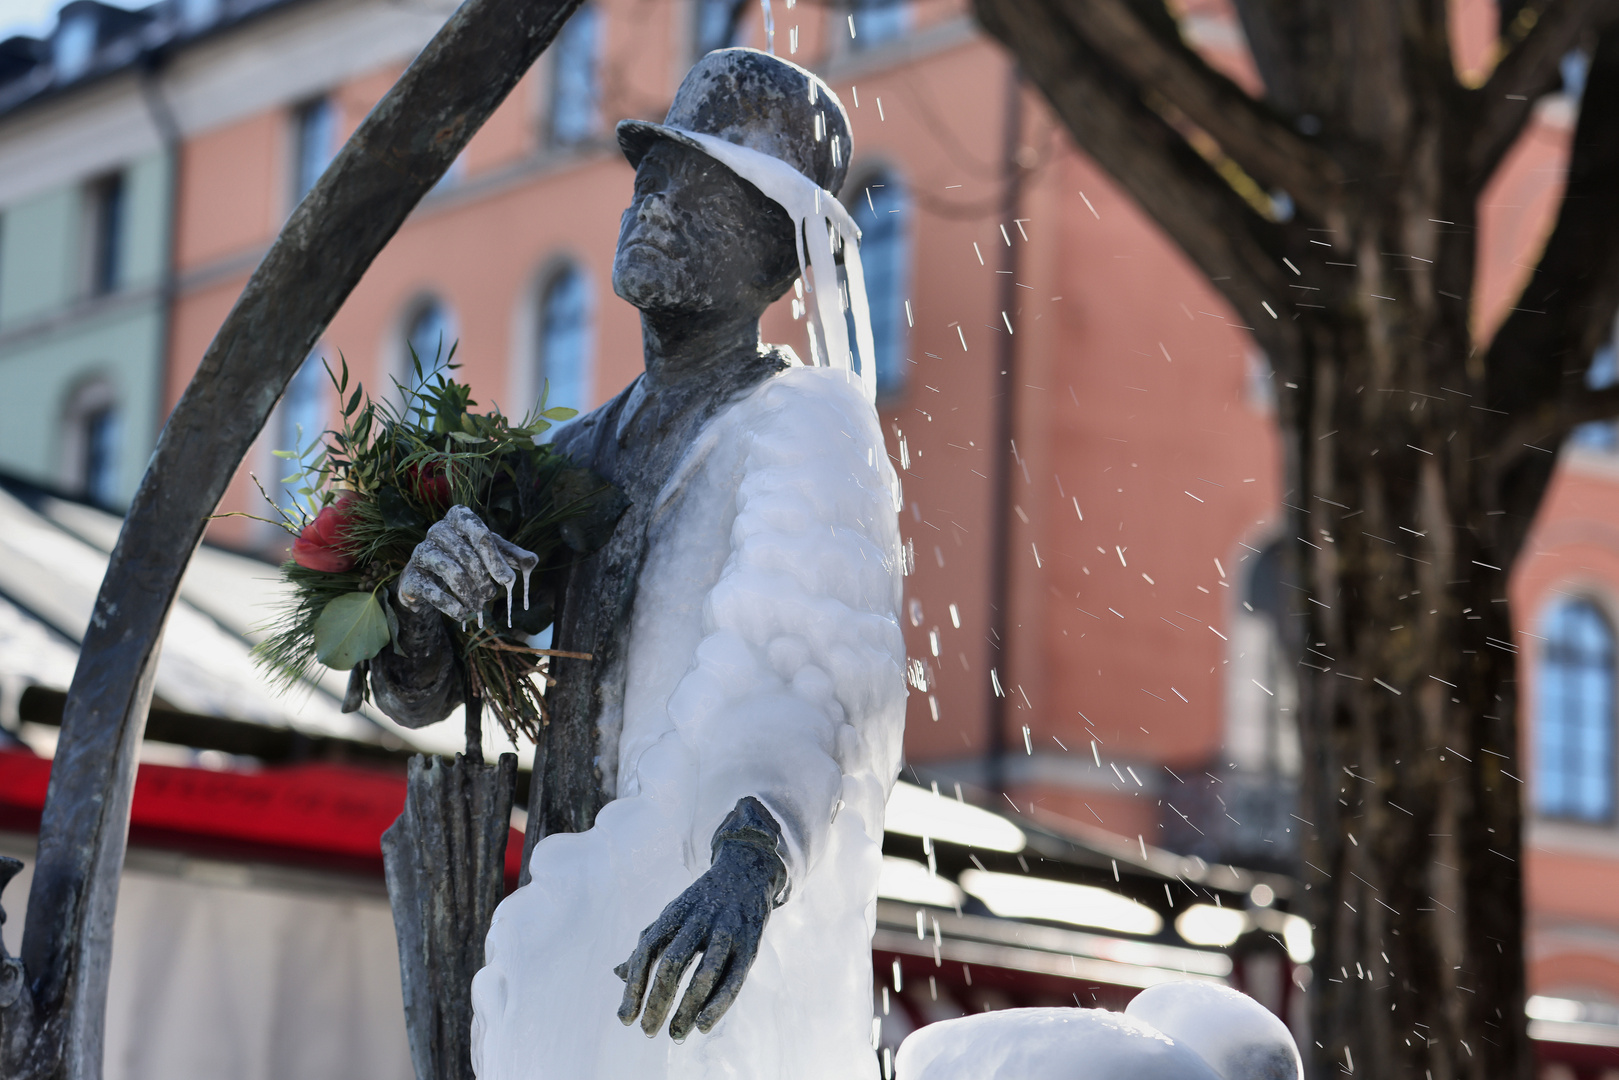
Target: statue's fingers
{"x": 489, "y": 554}
{"x": 419, "y": 589}
{"x": 744, "y": 950}
{"x": 452, "y": 569}
{"x": 519, "y": 558}
{"x": 676, "y": 959}
{"x": 716, "y": 959}
{"x": 637, "y": 969}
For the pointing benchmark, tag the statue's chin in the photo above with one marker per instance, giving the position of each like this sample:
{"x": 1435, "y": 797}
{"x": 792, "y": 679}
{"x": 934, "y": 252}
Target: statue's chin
{"x": 652, "y": 281}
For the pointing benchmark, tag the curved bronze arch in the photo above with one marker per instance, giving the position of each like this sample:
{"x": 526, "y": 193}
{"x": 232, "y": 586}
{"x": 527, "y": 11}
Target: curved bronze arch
{"x": 52, "y": 1010}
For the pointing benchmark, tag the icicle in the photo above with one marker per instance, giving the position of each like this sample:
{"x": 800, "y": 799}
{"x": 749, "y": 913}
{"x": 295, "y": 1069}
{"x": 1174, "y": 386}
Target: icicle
{"x": 508, "y": 605}
{"x": 526, "y": 573}
{"x": 480, "y": 618}
{"x": 802, "y": 198}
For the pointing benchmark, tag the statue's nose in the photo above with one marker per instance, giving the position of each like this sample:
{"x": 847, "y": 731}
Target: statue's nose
{"x": 655, "y": 209}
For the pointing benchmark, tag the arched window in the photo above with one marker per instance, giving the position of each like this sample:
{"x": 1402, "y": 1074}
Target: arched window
{"x": 300, "y": 421}
{"x": 566, "y": 339}
{"x": 429, "y": 336}
{"x": 1574, "y": 764}
{"x": 576, "y": 78}
{"x": 882, "y": 210}
{"x": 92, "y": 443}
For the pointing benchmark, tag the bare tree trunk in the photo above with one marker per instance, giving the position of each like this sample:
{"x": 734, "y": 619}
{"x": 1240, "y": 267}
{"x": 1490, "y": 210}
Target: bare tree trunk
{"x": 53, "y": 1026}
{"x": 1414, "y": 461}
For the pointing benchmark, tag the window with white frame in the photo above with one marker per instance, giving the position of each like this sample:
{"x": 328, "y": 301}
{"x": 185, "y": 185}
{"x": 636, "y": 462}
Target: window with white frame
{"x": 882, "y": 210}
{"x": 575, "y": 113}
{"x": 566, "y": 339}
{"x": 1574, "y": 714}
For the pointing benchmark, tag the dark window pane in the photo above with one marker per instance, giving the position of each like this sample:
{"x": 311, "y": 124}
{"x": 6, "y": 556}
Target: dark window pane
{"x": 879, "y": 21}
{"x": 1599, "y": 434}
{"x": 575, "y": 91}
{"x": 1574, "y": 763}
{"x": 428, "y": 340}
{"x": 717, "y": 22}
{"x": 102, "y": 433}
{"x": 299, "y": 424}
{"x": 882, "y": 211}
{"x": 107, "y": 252}
{"x": 317, "y": 131}
{"x": 567, "y": 339}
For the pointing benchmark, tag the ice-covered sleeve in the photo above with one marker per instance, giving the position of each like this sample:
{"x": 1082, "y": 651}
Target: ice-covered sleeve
{"x": 799, "y": 679}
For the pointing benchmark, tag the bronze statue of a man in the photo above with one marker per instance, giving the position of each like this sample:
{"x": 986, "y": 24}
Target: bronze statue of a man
{"x": 710, "y": 789}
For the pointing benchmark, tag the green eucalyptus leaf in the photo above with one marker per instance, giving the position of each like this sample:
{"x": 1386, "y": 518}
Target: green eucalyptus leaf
{"x": 560, "y": 412}
{"x": 350, "y": 629}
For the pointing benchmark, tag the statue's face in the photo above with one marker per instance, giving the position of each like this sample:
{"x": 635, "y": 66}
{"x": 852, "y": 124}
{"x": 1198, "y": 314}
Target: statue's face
{"x": 697, "y": 238}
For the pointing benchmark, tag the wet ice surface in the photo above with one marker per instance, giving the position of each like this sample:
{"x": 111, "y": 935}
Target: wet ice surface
{"x": 765, "y": 658}
{"x": 817, "y": 216}
{"x": 1238, "y": 1037}
{"x": 1174, "y": 1031}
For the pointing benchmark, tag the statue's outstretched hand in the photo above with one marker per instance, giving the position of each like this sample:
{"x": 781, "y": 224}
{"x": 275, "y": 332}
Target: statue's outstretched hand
{"x": 722, "y": 916}
{"x": 461, "y": 566}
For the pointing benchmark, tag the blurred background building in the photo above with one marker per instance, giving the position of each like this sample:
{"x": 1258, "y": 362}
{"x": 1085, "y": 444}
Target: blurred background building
{"x": 1097, "y": 618}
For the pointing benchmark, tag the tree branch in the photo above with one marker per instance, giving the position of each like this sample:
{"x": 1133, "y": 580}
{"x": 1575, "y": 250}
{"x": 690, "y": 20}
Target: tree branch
{"x": 1566, "y": 312}
{"x": 1527, "y": 72}
{"x": 1182, "y": 192}
{"x": 1268, "y": 26}
{"x": 1256, "y": 137}
{"x": 1535, "y": 368}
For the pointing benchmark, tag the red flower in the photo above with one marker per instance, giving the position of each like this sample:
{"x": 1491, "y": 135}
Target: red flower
{"x": 430, "y": 485}
{"x": 320, "y": 545}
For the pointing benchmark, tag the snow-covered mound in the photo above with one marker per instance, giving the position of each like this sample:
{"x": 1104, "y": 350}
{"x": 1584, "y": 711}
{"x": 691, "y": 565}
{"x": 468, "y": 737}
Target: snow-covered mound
{"x": 1175, "y": 1031}
{"x": 1237, "y": 1036}
{"x": 1046, "y": 1044}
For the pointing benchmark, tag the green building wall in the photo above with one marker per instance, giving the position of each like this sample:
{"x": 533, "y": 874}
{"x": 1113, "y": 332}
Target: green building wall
{"x": 55, "y": 338}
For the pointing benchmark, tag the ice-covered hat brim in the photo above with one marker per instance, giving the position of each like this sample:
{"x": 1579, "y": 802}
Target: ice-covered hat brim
{"x": 637, "y": 137}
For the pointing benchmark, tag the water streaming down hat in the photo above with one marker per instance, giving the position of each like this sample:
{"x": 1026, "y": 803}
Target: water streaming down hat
{"x": 783, "y": 130}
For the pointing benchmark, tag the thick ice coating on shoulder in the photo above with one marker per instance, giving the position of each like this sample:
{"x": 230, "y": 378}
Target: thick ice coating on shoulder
{"x": 1236, "y": 1035}
{"x": 1047, "y": 1044}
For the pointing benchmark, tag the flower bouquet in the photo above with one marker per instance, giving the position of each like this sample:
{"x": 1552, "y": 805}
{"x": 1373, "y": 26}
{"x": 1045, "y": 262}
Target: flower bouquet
{"x": 366, "y": 494}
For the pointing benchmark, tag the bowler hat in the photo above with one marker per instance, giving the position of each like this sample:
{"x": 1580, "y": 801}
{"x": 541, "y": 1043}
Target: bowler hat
{"x": 759, "y": 101}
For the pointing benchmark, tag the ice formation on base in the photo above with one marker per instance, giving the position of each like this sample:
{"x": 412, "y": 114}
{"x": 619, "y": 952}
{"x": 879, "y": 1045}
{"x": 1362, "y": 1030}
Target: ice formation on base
{"x": 1046, "y": 1044}
{"x": 1237, "y": 1036}
{"x": 1173, "y": 1031}
{"x": 765, "y": 658}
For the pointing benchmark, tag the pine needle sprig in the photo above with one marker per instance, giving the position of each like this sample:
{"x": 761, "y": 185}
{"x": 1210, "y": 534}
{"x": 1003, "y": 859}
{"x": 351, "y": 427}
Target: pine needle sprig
{"x": 392, "y": 468}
